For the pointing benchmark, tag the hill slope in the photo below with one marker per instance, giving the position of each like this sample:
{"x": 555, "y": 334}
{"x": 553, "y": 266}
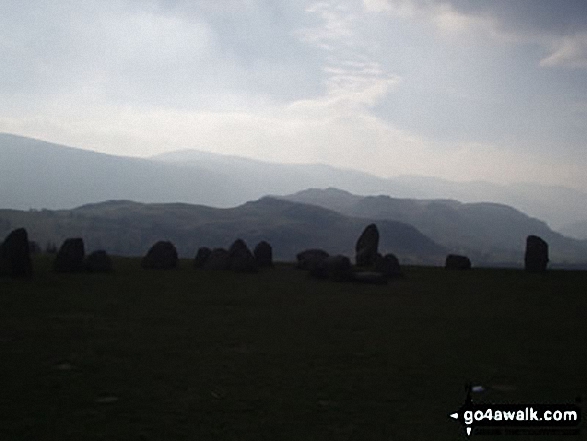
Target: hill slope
{"x": 130, "y": 228}
{"x": 578, "y": 230}
{"x": 36, "y": 174}
{"x": 487, "y": 232}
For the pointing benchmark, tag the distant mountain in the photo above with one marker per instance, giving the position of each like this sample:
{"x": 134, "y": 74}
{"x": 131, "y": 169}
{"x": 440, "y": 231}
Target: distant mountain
{"x": 130, "y": 228}
{"x": 487, "y": 232}
{"x": 556, "y": 205}
{"x": 261, "y": 178}
{"x": 577, "y": 230}
{"x": 37, "y": 174}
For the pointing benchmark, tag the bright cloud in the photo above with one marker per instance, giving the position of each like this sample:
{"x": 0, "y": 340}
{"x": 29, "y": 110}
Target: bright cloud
{"x": 568, "y": 52}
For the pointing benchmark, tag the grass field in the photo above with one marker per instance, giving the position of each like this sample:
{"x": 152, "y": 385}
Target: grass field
{"x": 184, "y": 354}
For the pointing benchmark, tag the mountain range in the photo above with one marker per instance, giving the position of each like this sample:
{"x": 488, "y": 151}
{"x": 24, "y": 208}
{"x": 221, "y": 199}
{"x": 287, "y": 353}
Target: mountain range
{"x": 197, "y": 198}
{"x": 130, "y": 228}
{"x": 488, "y": 233}
{"x": 37, "y": 174}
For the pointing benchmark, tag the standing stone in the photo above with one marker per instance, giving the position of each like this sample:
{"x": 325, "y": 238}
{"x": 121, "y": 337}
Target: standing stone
{"x": 457, "y": 262}
{"x": 263, "y": 254}
{"x": 536, "y": 257}
{"x": 70, "y": 257}
{"x": 240, "y": 257}
{"x": 201, "y": 257}
{"x": 99, "y": 262}
{"x": 366, "y": 247}
{"x": 388, "y": 266}
{"x": 219, "y": 259}
{"x": 335, "y": 268}
{"x": 162, "y": 255}
{"x": 308, "y": 259}
{"x": 15, "y": 257}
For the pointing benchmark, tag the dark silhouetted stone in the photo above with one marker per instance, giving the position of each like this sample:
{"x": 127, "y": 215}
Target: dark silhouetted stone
{"x": 336, "y": 268}
{"x": 370, "y": 277}
{"x": 456, "y": 262}
{"x": 99, "y": 262}
{"x": 219, "y": 259}
{"x": 388, "y": 266}
{"x": 366, "y": 247}
{"x": 536, "y": 257}
{"x": 308, "y": 259}
{"x": 201, "y": 257}
{"x": 15, "y": 256}
{"x": 240, "y": 257}
{"x": 70, "y": 257}
{"x": 263, "y": 254}
{"x": 162, "y": 255}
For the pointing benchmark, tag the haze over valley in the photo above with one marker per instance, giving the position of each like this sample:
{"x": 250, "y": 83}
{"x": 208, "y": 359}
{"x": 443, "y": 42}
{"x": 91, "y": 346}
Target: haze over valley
{"x": 36, "y": 174}
{"x": 230, "y": 195}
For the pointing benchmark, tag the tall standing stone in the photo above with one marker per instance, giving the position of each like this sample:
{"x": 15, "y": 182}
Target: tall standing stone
{"x": 366, "y": 247}
{"x": 240, "y": 257}
{"x": 15, "y": 257}
{"x": 263, "y": 254}
{"x": 70, "y": 257}
{"x": 536, "y": 256}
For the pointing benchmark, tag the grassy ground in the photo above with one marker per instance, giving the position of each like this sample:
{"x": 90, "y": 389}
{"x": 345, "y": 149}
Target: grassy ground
{"x": 184, "y": 354}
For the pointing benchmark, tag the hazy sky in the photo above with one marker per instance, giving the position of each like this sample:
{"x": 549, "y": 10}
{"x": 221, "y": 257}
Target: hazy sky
{"x": 460, "y": 89}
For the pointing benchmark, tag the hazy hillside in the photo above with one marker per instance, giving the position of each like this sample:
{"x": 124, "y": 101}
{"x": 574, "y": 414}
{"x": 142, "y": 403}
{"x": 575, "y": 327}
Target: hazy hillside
{"x": 487, "y": 232}
{"x": 556, "y": 205}
{"x": 37, "y": 174}
{"x": 578, "y": 230}
{"x": 261, "y": 178}
{"x": 130, "y": 228}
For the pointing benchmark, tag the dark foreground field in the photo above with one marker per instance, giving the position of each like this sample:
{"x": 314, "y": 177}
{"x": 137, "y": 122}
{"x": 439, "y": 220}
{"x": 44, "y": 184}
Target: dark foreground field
{"x": 140, "y": 355}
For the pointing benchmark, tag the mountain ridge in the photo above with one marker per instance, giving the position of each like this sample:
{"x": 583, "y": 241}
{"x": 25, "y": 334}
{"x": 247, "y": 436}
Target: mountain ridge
{"x": 58, "y": 177}
{"x": 130, "y": 228}
{"x": 487, "y": 232}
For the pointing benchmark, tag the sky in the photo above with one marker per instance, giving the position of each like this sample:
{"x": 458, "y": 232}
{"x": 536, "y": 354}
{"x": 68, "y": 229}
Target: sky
{"x": 457, "y": 89}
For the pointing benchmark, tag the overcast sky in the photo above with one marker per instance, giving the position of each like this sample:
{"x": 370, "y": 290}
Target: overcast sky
{"x": 460, "y": 89}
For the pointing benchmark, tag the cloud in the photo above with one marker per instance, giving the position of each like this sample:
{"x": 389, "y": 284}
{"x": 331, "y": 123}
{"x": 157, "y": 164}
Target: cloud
{"x": 403, "y": 8}
{"x": 153, "y": 52}
{"x": 336, "y": 25}
{"x": 568, "y": 52}
{"x": 452, "y": 22}
{"x": 558, "y": 27}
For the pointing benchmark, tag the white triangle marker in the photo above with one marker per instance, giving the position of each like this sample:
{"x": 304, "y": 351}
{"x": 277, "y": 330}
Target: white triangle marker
{"x": 455, "y": 415}
{"x": 468, "y": 431}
